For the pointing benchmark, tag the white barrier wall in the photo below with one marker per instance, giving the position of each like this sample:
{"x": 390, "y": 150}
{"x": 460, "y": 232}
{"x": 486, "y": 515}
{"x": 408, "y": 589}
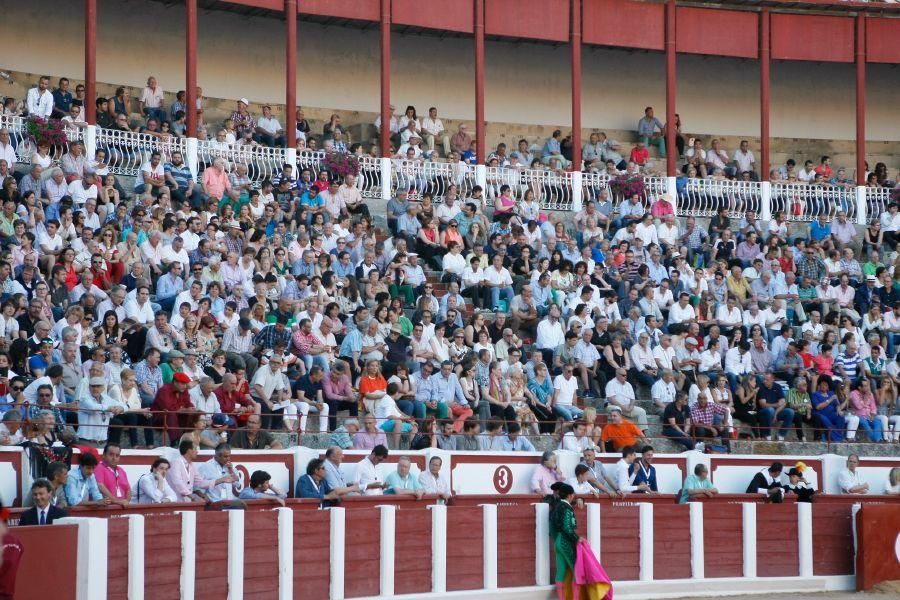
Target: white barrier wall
{"x": 488, "y": 473}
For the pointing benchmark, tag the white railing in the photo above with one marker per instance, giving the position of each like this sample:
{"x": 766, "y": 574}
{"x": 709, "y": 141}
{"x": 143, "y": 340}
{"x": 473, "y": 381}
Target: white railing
{"x": 704, "y": 197}
{"x": 877, "y": 201}
{"x": 127, "y": 151}
{"x": 262, "y": 162}
{"x": 370, "y": 176}
{"x": 419, "y": 177}
{"x": 806, "y": 202}
{"x": 551, "y": 189}
{"x": 24, "y": 145}
{"x": 309, "y": 159}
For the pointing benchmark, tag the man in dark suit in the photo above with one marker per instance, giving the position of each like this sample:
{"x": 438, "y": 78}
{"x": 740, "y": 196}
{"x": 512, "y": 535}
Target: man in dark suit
{"x": 42, "y": 513}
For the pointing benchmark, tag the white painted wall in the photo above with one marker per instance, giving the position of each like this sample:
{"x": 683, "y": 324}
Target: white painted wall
{"x": 526, "y": 83}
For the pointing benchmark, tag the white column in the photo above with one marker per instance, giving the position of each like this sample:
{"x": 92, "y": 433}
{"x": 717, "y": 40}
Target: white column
{"x": 193, "y": 156}
{"x": 188, "y": 553}
{"x": 765, "y": 212}
{"x": 290, "y": 157}
{"x": 385, "y": 178}
{"x": 481, "y": 175}
{"x": 489, "y": 520}
{"x": 645, "y": 513}
{"x": 542, "y": 543}
{"x": 672, "y": 191}
{"x": 853, "y": 510}
{"x": 805, "y": 538}
{"x": 235, "y": 567}
{"x": 577, "y": 190}
{"x": 749, "y": 513}
{"x": 698, "y": 553}
{"x": 90, "y": 577}
{"x": 593, "y": 528}
{"x": 285, "y": 553}
{"x": 388, "y": 544}
{"x": 90, "y": 141}
{"x": 861, "y": 207}
{"x": 338, "y": 526}
{"x": 438, "y": 548}
{"x": 135, "y": 557}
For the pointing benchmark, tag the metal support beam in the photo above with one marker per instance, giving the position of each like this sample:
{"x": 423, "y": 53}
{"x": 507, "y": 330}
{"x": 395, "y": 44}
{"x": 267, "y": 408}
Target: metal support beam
{"x": 671, "y": 150}
{"x": 385, "y": 77}
{"x": 90, "y": 62}
{"x": 860, "y": 98}
{"x": 764, "y": 89}
{"x": 575, "y": 42}
{"x": 290, "y": 64}
{"x": 478, "y": 30}
{"x": 190, "y": 61}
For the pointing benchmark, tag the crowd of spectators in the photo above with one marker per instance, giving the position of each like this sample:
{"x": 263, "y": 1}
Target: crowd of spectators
{"x": 179, "y": 310}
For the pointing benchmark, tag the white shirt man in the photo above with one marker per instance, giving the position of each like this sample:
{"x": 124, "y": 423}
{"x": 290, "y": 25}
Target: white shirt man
{"x": 550, "y": 334}
{"x": 366, "y": 474}
{"x": 729, "y": 316}
{"x": 566, "y": 388}
{"x": 213, "y": 471}
{"x": 663, "y": 392}
{"x": 664, "y": 357}
{"x": 646, "y": 232}
{"x": 738, "y": 363}
{"x": 576, "y": 443}
{"x": 744, "y": 160}
{"x": 624, "y": 480}
{"x": 754, "y": 316}
{"x": 39, "y": 102}
{"x": 498, "y": 277}
{"x": 621, "y": 392}
{"x": 681, "y": 312}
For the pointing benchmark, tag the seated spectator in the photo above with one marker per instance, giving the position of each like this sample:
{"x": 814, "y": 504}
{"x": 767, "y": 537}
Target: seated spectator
{"x": 367, "y": 478}
{"x": 42, "y": 512}
{"x": 252, "y": 437}
{"x": 619, "y": 432}
{"x": 261, "y": 488}
{"x": 334, "y": 456}
{"x": 433, "y": 482}
{"x": 315, "y": 484}
{"x": 81, "y": 486}
{"x": 112, "y": 480}
{"x": 546, "y": 474}
{"x": 153, "y": 487}
{"x": 697, "y": 485}
{"x": 849, "y": 480}
{"x": 768, "y": 482}
{"x": 401, "y": 482}
{"x": 643, "y": 471}
{"x": 625, "y": 479}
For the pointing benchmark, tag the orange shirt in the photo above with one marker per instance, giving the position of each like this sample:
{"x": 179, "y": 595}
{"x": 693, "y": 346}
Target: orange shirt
{"x": 367, "y": 385}
{"x": 624, "y": 434}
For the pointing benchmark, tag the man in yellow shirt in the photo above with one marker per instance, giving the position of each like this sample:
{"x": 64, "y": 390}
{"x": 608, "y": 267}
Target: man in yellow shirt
{"x": 739, "y": 286}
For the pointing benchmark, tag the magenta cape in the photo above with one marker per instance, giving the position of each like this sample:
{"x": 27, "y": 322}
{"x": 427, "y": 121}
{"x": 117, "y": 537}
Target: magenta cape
{"x": 591, "y": 580}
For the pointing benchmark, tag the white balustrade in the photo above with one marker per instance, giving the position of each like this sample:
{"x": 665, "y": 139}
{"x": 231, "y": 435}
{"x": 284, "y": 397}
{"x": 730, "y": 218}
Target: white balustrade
{"x": 806, "y": 202}
{"x": 420, "y": 177}
{"x": 705, "y": 197}
{"x": 126, "y": 150}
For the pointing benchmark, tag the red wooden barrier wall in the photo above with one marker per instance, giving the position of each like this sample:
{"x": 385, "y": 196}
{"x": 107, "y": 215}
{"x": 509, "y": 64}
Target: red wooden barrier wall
{"x": 312, "y": 563}
{"x": 465, "y": 549}
{"x": 671, "y": 542}
{"x": 620, "y": 544}
{"x": 261, "y": 554}
{"x": 117, "y": 559}
{"x": 49, "y": 558}
{"x": 723, "y": 540}
{"x": 515, "y": 546}
{"x": 211, "y": 554}
{"x": 776, "y": 540}
{"x": 362, "y": 553}
{"x": 832, "y": 539}
{"x": 162, "y": 557}
{"x": 412, "y": 550}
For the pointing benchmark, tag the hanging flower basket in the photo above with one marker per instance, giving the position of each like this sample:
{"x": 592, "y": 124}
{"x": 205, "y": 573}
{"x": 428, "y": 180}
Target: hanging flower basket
{"x": 340, "y": 164}
{"x": 626, "y": 186}
{"x": 51, "y": 132}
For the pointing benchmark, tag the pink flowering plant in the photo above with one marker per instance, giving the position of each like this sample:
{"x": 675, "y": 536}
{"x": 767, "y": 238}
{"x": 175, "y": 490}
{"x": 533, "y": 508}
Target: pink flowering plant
{"x": 626, "y": 186}
{"x": 340, "y": 164}
{"x": 46, "y": 131}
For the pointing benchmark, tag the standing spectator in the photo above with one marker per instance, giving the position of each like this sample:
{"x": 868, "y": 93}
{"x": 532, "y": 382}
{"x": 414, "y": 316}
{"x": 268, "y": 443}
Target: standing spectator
{"x": 151, "y": 101}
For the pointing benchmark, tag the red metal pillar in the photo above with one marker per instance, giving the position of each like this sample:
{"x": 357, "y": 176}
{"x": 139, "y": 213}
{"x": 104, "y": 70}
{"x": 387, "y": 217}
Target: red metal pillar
{"x": 764, "y": 88}
{"x": 385, "y": 77}
{"x": 478, "y": 30}
{"x": 290, "y": 95}
{"x": 190, "y": 62}
{"x": 671, "y": 150}
{"x": 575, "y": 41}
{"x": 90, "y": 61}
{"x": 860, "y": 98}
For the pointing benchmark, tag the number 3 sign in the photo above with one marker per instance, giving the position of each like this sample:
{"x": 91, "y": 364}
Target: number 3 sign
{"x": 503, "y": 479}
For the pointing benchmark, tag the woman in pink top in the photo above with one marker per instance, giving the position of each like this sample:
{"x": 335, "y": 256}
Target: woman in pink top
{"x": 862, "y": 404}
{"x": 546, "y": 474}
{"x": 505, "y": 205}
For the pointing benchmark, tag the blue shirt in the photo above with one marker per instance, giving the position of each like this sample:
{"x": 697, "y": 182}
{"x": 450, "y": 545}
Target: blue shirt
{"x": 819, "y": 232}
{"x": 168, "y": 286}
{"x": 308, "y": 488}
{"x": 395, "y": 482}
{"x": 446, "y": 390}
{"x": 352, "y": 343}
{"x": 647, "y": 126}
{"x": 342, "y": 270}
{"x": 79, "y": 489}
{"x": 551, "y": 147}
{"x": 520, "y": 444}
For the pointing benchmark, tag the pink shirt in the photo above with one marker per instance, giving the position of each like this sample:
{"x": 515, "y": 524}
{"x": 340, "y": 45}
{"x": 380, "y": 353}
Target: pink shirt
{"x": 115, "y": 481}
{"x": 215, "y": 182}
{"x": 863, "y": 406}
{"x": 542, "y": 479}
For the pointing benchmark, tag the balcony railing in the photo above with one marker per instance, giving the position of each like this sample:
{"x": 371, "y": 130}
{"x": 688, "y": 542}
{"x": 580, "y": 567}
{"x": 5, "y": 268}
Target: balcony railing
{"x": 381, "y": 178}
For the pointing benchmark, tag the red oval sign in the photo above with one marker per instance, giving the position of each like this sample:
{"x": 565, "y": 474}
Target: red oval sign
{"x": 503, "y": 480}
